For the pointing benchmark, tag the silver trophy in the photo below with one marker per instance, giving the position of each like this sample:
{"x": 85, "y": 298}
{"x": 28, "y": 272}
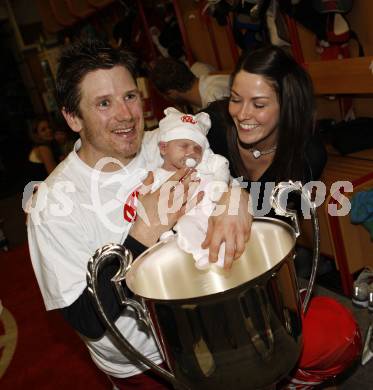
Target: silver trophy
{"x": 237, "y": 329}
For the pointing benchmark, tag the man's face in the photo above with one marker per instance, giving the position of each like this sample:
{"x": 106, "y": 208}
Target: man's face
{"x": 111, "y": 123}
{"x": 177, "y": 151}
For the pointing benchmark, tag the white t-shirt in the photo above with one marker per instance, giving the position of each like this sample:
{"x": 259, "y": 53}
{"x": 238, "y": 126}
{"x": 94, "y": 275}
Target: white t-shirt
{"x": 200, "y": 68}
{"x": 213, "y": 87}
{"x": 78, "y": 210}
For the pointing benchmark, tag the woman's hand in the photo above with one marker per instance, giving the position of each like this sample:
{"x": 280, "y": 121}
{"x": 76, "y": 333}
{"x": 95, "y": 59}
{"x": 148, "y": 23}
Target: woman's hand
{"x": 158, "y": 211}
{"x": 232, "y": 226}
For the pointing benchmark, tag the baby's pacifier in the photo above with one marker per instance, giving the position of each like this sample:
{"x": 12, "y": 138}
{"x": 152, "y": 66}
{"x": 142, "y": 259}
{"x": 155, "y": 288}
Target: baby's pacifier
{"x": 190, "y": 162}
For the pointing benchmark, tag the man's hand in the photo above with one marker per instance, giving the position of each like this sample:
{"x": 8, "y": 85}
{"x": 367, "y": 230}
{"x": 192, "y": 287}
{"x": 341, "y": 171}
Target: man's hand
{"x": 232, "y": 226}
{"x": 158, "y": 211}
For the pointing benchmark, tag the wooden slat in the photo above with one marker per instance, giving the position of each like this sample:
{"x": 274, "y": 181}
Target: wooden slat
{"x": 100, "y": 3}
{"x": 80, "y": 8}
{"x": 357, "y": 243}
{"x": 347, "y": 76}
{"x": 346, "y": 168}
{"x": 338, "y": 168}
{"x": 352, "y": 246}
{"x": 50, "y": 23}
{"x": 62, "y": 13}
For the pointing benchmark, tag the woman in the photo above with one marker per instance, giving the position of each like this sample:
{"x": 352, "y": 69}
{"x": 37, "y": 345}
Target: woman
{"x": 41, "y": 159}
{"x": 266, "y": 130}
{"x": 64, "y": 142}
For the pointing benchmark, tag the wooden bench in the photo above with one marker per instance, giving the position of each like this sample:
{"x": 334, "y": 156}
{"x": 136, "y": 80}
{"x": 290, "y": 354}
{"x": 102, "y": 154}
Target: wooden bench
{"x": 350, "y": 245}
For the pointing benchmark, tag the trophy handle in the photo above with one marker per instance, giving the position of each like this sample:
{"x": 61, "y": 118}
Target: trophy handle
{"x": 125, "y": 256}
{"x": 277, "y": 203}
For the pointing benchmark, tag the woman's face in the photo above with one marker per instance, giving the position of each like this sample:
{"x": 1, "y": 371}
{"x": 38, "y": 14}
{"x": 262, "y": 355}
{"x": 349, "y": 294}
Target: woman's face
{"x": 255, "y": 109}
{"x": 44, "y": 131}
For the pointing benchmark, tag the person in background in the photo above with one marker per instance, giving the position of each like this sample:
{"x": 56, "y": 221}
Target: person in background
{"x": 177, "y": 83}
{"x": 100, "y": 101}
{"x": 266, "y": 131}
{"x": 201, "y": 69}
{"x": 41, "y": 160}
{"x": 4, "y": 243}
{"x": 63, "y": 142}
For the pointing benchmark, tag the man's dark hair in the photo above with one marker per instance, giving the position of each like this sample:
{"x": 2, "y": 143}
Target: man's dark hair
{"x": 168, "y": 74}
{"x": 80, "y": 58}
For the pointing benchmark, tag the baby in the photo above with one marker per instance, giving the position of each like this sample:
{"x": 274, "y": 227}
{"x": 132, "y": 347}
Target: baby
{"x": 183, "y": 143}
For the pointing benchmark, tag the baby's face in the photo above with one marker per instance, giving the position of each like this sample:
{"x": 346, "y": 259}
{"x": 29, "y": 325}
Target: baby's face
{"x": 177, "y": 151}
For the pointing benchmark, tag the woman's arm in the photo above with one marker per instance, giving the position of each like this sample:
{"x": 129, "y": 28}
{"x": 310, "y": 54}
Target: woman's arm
{"x": 46, "y": 157}
{"x": 230, "y": 224}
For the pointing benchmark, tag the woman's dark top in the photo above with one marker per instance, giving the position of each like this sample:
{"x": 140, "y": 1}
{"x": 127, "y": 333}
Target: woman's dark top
{"x": 36, "y": 171}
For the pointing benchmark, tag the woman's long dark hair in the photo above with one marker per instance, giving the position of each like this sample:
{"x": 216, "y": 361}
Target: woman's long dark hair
{"x": 297, "y": 110}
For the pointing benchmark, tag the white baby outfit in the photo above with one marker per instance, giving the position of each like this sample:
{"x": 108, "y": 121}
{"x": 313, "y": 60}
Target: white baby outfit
{"x": 213, "y": 171}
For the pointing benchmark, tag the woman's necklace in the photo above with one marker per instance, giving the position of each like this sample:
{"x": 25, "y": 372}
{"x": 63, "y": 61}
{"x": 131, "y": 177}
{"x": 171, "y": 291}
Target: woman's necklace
{"x": 259, "y": 153}
{"x": 256, "y": 152}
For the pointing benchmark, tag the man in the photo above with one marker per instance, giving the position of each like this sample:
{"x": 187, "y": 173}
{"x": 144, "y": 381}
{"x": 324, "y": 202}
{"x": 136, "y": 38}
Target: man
{"x": 79, "y": 208}
{"x": 178, "y": 84}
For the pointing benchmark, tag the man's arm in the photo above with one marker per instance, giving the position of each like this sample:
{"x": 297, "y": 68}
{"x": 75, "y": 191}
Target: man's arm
{"x": 82, "y": 314}
{"x": 158, "y": 211}
{"x": 59, "y": 256}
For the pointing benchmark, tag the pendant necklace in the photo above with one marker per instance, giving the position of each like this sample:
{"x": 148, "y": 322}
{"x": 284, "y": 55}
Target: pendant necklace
{"x": 258, "y": 153}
